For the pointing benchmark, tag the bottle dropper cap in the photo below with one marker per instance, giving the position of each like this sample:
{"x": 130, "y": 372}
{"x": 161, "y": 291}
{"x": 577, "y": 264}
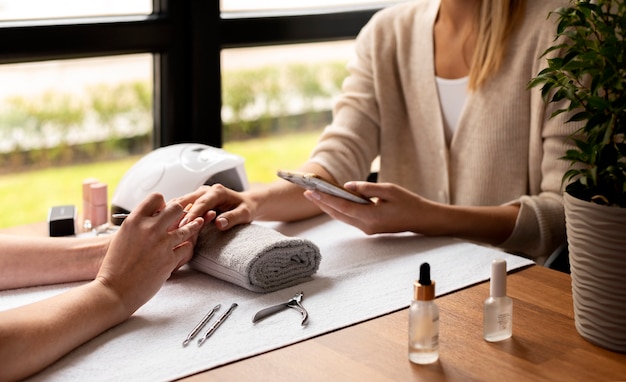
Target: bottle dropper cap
{"x": 498, "y": 278}
{"x": 424, "y": 288}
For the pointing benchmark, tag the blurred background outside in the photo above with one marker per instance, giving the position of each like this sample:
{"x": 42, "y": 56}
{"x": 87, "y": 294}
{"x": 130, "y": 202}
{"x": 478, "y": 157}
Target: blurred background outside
{"x": 63, "y": 121}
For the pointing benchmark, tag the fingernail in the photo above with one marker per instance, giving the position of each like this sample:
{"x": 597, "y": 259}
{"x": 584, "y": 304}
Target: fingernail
{"x": 196, "y": 223}
{"x": 183, "y": 222}
{"x": 313, "y": 195}
{"x": 221, "y": 222}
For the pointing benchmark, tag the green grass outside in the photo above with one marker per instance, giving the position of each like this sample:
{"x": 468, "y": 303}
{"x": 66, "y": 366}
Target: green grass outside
{"x": 26, "y": 197}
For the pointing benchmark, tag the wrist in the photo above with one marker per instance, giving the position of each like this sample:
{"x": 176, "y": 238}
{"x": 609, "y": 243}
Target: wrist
{"x": 90, "y": 254}
{"x": 489, "y": 224}
{"x": 113, "y": 299}
{"x": 437, "y": 219}
{"x": 255, "y": 200}
{"x": 260, "y": 200}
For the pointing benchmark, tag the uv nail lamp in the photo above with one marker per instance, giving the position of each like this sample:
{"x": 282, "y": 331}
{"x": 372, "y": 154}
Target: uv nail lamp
{"x": 175, "y": 171}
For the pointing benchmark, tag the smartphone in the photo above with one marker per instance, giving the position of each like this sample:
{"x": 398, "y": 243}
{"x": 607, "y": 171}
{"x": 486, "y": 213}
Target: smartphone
{"x": 312, "y": 181}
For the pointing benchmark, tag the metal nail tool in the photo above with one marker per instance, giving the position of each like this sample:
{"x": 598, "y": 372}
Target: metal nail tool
{"x": 125, "y": 215}
{"x": 294, "y": 303}
{"x": 201, "y": 325}
{"x": 217, "y": 324}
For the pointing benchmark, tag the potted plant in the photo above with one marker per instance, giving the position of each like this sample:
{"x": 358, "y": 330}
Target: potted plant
{"x": 588, "y": 80}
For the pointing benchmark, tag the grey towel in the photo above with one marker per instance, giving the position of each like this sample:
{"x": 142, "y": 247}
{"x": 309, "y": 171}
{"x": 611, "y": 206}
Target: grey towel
{"x": 255, "y": 257}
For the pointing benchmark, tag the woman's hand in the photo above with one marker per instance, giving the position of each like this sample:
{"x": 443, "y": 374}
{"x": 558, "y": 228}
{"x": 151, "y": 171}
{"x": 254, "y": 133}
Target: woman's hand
{"x": 395, "y": 209}
{"x": 149, "y": 246}
{"x": 226, "y": 206}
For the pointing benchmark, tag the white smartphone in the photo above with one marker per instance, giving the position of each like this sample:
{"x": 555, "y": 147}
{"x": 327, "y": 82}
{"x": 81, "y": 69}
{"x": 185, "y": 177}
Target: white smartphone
{"x": 312, "y": 181}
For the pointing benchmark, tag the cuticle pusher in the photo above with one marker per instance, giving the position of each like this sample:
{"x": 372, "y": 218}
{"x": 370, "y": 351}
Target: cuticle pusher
{"x": 201, "y": 325}
{"x": 217, "y": 324}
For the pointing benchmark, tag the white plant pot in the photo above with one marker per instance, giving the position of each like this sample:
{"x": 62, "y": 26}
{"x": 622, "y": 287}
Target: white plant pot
{"x": 596, "y": 238}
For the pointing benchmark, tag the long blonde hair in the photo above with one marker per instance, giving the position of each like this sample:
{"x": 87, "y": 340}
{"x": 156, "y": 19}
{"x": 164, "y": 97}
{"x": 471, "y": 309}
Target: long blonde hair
{"x": 496, "y": 20}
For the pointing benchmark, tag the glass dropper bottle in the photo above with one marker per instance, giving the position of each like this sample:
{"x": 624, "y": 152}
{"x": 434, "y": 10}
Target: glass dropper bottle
{"x": 424, "y": 320}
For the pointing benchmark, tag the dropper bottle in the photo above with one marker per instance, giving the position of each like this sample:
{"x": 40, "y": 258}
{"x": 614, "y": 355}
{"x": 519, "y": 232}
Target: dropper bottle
{"x": 498, "y": 308}
{"x": 423, "y": 320}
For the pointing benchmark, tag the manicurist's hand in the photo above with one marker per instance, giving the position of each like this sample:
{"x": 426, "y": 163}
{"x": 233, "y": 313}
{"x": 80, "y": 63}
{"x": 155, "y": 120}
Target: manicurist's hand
{"x": 149, "y": 246}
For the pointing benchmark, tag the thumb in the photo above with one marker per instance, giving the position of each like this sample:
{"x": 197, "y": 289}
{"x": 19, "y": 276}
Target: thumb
{"x": 367, "y": 189}
{"x": 231, "y": 218}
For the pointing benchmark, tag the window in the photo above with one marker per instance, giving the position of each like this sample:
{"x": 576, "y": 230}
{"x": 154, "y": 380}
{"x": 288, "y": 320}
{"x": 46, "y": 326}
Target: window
{"x": 74, "y": 92}
{"x": 255, "y": 5}
{"x": 277, "y": 99}
{"x": 45, "y": 9}
{"x": 298, "y": 115}
{"x": 73, "y": 103}
{"x": 180, "y": 42}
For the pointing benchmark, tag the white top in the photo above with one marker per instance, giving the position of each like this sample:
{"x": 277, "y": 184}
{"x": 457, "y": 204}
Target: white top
{"x": 452, "y": 96}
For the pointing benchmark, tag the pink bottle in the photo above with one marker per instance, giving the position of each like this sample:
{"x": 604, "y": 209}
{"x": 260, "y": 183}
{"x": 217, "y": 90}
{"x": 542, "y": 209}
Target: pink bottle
{"x": 87, "y": 224}
{"x": 99, "y": 204}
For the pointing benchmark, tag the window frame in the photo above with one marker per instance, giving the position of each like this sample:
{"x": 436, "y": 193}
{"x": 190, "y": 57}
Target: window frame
{"x": 186, "y": 38}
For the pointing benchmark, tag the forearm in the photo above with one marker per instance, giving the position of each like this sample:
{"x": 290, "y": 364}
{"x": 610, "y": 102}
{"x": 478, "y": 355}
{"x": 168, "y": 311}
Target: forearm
{"x": 43, "y": 260}
{"x": 284, "y": 201}
{"x": 34, "y": 336}
{"x": 490, "y": 225}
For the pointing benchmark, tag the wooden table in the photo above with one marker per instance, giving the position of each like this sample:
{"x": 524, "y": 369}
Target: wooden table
{"x": 545, "y": 345}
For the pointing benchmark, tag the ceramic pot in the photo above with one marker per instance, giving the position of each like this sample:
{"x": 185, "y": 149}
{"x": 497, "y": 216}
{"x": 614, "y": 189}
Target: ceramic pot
{"x": 596, "y": 238}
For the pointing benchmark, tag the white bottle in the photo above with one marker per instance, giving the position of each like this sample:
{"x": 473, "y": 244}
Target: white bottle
{"x": 498, "y": 308}
{"x": 424, "y": 320}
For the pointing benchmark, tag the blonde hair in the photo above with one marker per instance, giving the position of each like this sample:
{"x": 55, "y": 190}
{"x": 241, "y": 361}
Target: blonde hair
{"x": 496, "y": 20}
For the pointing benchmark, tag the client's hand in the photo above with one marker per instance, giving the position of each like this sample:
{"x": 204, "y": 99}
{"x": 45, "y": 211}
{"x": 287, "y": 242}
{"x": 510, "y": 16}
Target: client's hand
{"x": 147, "y": 249}
{"x": 233, "y": 207}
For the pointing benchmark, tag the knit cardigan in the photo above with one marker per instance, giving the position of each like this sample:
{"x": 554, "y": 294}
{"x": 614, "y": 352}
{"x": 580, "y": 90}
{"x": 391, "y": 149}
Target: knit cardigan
{"x": 504, "y": 150}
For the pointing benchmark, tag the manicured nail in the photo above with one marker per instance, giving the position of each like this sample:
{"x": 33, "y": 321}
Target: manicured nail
{"x": 313, "y": 195}
{"x": 183, "y": 222}
{"x": 221, "y": 222}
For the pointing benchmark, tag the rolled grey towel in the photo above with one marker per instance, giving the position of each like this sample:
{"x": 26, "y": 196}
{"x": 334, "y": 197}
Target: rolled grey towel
{"x": 255, "y": 257}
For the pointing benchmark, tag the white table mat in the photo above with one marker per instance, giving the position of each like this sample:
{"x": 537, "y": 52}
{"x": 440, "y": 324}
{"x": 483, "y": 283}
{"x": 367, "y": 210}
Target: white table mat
{"x": 360, "y": 277}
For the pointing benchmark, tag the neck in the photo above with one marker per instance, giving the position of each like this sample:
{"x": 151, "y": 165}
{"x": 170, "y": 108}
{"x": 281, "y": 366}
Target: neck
{"x": 458, "y": 14}
{"x": 455, "y": 35}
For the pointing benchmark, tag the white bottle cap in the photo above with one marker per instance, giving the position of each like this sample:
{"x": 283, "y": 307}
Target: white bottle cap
{"x": 498, "y": 278}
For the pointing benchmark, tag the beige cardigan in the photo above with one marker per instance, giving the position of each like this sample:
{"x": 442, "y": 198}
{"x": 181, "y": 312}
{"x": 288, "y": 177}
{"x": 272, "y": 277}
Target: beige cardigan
{"x": 504, "y": 150}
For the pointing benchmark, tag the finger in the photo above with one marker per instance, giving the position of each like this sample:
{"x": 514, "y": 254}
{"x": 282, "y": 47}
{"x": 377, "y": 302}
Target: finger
{"x": 368, "y": 189}
{"x": 231, "y": 218}
{"x": 337, "y": 213}
{"x": 191, "y": 197}
{"x": 151, "y": 205}
{"x": 186, "y": 232}
{"x": 169, "y": 216}
{"x": 203, "y": 201}
{"x": 184, "y": 253}
{"x": 326, "y": 201}
{"x": 183, "y": 249}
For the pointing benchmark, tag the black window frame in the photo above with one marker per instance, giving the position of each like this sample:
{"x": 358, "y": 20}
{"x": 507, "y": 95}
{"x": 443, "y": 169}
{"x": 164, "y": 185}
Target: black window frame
{"x": 186, "y": 38}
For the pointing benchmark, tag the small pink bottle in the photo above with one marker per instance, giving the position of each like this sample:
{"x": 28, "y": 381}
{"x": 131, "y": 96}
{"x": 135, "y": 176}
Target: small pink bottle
{"x": 99, "y": 204}
{"x": 87, "y": 224}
